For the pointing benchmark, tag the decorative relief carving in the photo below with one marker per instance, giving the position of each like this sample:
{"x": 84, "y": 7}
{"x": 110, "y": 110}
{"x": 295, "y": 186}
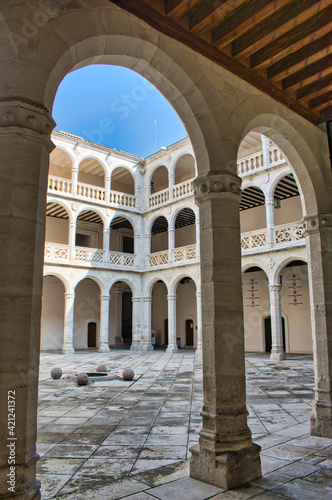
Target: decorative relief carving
{"x": 312, "y": 223}
{"x": 214, "y": 183}
{"x": 271, "y": 263}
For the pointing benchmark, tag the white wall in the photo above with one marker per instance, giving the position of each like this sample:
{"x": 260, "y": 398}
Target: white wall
{"x": 86, "y": 310}
{"x": 52, "y": 318}
{"x": 56, "y": 230}
{"x": 185, "y": 236}
{"x": 253, "y": 218}
{"x": 290, "y": 211}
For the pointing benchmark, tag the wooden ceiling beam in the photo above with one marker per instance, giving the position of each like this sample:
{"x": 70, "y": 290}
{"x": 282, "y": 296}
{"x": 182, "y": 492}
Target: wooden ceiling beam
{"x": 274, "y": 26}
{"x": 242, "y": 18}
{"x": 178, "y": 8}
{"x": 173, "y": 30}
{"x": 203, "y": 19}
{"x": 301, "y": 35}
{"x": 302, "y": 57}
{"x": 321, "y": 102}
{"x": 319, "y": 69}
{"x": 314, "y": 89}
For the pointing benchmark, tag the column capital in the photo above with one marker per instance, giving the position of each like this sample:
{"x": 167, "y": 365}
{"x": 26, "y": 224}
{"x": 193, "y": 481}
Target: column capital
{"x": 136, "y": 299}
{"x": 171, "y": 297}
{"x": 105, "y": 297}
{"x": 216, "y": 183}
{"x": 316, "y": 222}
{"x": 198, "y": 294}
{"x": 69, "y": 295}
{"x": 26, "y": 114}
{"x": 147, "y": 299}
{"x": 106, "y": 230}
{"x": 274, "y": 288}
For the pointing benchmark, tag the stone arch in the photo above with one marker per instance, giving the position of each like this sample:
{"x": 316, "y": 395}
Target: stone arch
{"x": 189, "y": 164}
{"x": 127, "y": 185}
{"x": 279, "y": 268}
{"x": 58, "y": 220}
{"x": 86, "y": 208}
{"x": 152, "y": 282}
{"x": 252, "y": 208}
{"x": 162, "y": 181}
{"x": 52, "y": 312}
{"x": 185, "y": 227}
{"x": 159, "y": 233}
{"x": 296, "y": 209}
{"x": 174, "y": 284}
{"x": 60, "y": 277}
{"x": 58, "y": 170}
{"x": 293, "y": 142}
{"x": 92, "y": 178}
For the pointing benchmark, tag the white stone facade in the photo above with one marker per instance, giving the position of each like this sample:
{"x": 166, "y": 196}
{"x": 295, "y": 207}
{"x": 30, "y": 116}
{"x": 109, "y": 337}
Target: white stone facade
{"x": 100, "y": 200}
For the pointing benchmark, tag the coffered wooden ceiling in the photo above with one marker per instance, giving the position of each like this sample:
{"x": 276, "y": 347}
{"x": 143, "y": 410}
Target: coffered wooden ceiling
{"x": 282, "y": 47}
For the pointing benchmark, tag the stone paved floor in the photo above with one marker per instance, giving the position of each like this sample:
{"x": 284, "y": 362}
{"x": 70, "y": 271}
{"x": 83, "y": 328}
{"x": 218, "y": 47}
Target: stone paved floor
{"x": 116, "y": 439}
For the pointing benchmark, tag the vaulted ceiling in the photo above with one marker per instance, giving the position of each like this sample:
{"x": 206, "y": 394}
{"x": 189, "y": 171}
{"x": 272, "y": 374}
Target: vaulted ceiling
{"x": 282, "y": 47}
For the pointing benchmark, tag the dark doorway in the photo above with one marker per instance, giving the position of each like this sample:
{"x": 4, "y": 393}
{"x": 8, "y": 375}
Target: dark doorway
{"x": 92, "y": 335}
{"x": 189, "y": 332}
{"x": 127, "y": 317}
{"x": 166, "y": 331}
{"x": 128, "y": 244}
{"x": 268, "y": 334}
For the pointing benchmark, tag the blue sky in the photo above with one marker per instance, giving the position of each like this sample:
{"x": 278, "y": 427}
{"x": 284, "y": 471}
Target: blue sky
{"x": 116, "y": 107}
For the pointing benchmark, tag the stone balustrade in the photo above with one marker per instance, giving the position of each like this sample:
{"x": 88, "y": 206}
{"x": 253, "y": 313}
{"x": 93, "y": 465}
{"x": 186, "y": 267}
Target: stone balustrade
{"x": 183, "y": 189}
{"x": 60, "y": 253}
{"x": 158, "y": 199}
{"x": 90, "y": 192}
{"x": 159, "y": 259}
{"x": 184, "y": 254}
{"x": 122, "y": 200}
{"x": 254, "y": 240}
{"x": 250, "y": 163}
{"x": 288, "y": 233}
{"x": 59, "y": 185}
{"x": 56, "y": 252}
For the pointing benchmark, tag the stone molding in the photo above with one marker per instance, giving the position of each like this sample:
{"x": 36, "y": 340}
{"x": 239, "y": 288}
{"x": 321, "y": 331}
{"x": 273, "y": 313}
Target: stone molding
{"x": 25, "y": 114}
{"x": 317, "y": 222}
{"x": 69, "y": 295}
{"x": 274, "y": 288}
{"x": 136, "y": 299}
{"x": 147, "y": 299}
{"x": 171, "y": 297}
{"x": 215, "y": 183}
{"x": 105, "y": 297}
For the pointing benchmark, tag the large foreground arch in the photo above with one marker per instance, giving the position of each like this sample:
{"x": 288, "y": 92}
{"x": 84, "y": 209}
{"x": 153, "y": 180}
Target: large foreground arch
{"x": 208, "y": 99}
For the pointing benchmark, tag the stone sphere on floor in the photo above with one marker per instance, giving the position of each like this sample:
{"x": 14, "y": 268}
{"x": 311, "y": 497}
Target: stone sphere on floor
{"x": 101, "y": 368}
{"x": 56, "y": 372}
{"x": 128, "y": 374}
{"x": 82, "y": 378}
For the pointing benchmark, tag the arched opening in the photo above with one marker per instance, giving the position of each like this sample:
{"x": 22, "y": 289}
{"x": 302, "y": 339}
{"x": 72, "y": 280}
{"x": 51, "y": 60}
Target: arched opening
{"x": 159, "y": 179}
{"x": 57, "y": 224}
{"x": 184, "y": 169}
{"x": 86, "y": 314}
{"x": 120, "y": 315}
{"x": 252, "y": 209}
{"x": 89, "y": 230}
{"x": 52, "y": 314}
{"x": 185, "y": 228}
{"x": 91, "y": 172}
{"x": 186, "y": 313}
{"x": 121, "y": 235}
{"x": 159, "y": 235}
{"x": 122, "y": 181}
{"x": 287, "y": 201}
{"x": 159, "y": 314}
{"x": 61, "y": 165}
{"x": 256, "y": 307}
{"x": 295, "y": 303}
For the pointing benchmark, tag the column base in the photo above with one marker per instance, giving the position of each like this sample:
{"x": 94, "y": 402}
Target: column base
{"x": 277, "y": 355}
{"x": 147, "y": 347}
{"x": 135, "y": 345}
{"x": 227, "y": 470}
{"x": 172, "y": 349}
{"x": 198, "y": 351}
{"x": 321, "y": 420}
{"x": 67, "y": 349}
{"x": 104, "y": 348}
{"x": 23, "y": 477}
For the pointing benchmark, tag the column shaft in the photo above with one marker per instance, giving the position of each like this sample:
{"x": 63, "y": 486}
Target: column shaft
{"x": 269, "y": 211}
{"x": 106, "y": 245}
{"x": 72, "y": 240}
{"x": 277, "y": 351}
{"x": 199, "y": 322}
{"x": 68, "y": 333}
{"x": 171, "y": 243}
{"x": 146, "y": 344}
{"x": 104, "y": 323}
{"x": 171, "y": 302}
{"x": 137, "y": 324}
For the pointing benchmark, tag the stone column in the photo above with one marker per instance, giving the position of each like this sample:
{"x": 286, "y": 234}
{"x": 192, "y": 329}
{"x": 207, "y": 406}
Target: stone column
{"x": 277, "y": 352}
{"x": 198, "y": 245}
{"x": 171, "y": 182}
{"x": 171, "y": 243}
{"x": 225, "y": 456}
{"x": 146, "y": 335}
{"x": 265, "y": 148}
{"x": 25, "y": 146}
{"x": 269, "y": 212}
{"x": 75, "y": 179}
{"x": 118, "y": 334}
{"x": 147, "y": 250}
{"x": 137, "y": 324}
{"x": 107, "y": 189}
{"x": 104, "y": 323}
{"x": 199, "y": 323}
{"x": 171, "y": 302}
{"x": 72, "y": 241}
{"x": 106, "y": 244}
{"x": 67, "y": 346}
{"x": 318, "y": 233}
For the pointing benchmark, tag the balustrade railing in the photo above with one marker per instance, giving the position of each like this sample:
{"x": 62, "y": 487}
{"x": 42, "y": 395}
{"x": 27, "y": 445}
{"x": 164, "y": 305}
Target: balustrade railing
{"x": 159, "y": 198}
{"x": 275, "y": 155}
{"x": 122, "y": 259}
{"x": 250, "y": 163}
{"x": 122, "y": 199}
{"x": 94, "y": 255}
{"x": 254, "y": 239}
{"x": 56, "y": 251}
{"x": 90, "y": 192}
{"x": 183, "y": 189}
{"x": 183, "y": 254}
{"x": 59, "y": 185}
{"x": 287, "y": 233}
{"x": 158, "y": 259}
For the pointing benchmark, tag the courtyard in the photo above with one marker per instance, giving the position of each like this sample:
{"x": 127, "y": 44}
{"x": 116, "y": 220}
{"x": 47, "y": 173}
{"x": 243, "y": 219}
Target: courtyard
{"x": 114, "y": 439}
